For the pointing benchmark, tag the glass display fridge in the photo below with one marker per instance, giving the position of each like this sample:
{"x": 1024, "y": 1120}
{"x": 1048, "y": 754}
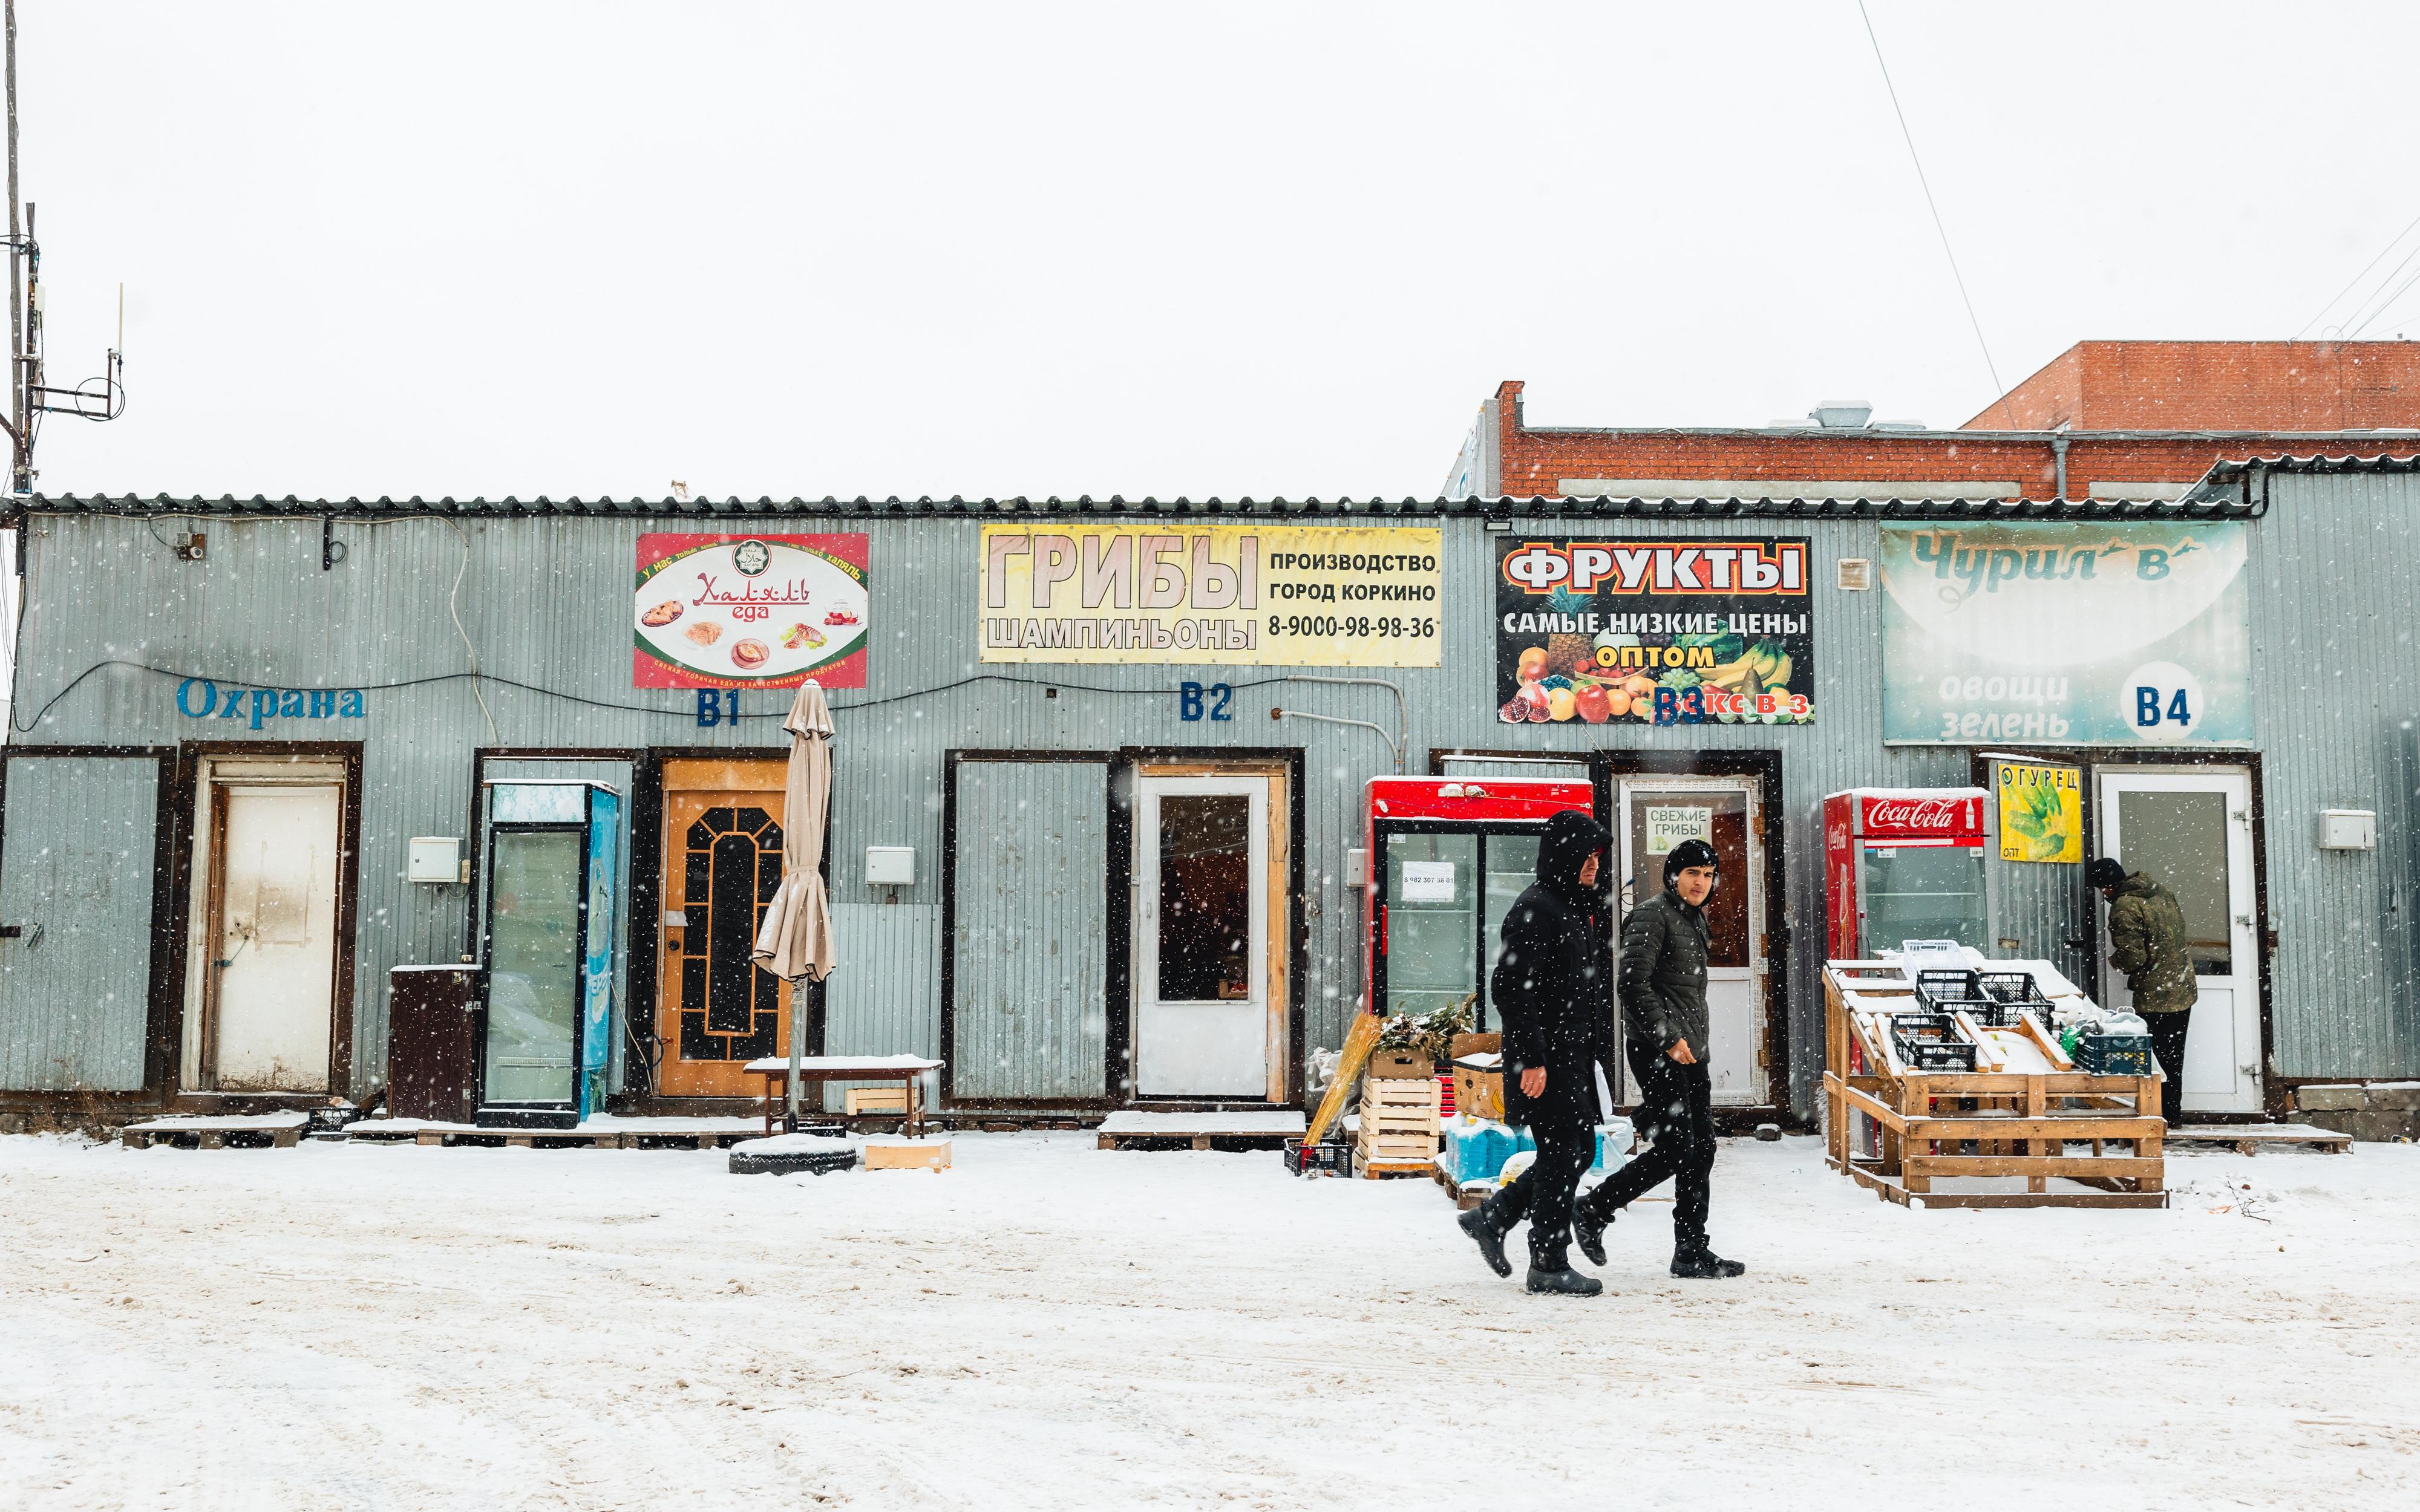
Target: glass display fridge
{"x": 1446, "y": 857}
{"x": 1903, "y": 864}
{"x": 547, "y": 949}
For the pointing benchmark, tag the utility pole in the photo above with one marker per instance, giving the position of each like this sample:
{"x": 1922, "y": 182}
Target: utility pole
{"x": 21, "y": 474}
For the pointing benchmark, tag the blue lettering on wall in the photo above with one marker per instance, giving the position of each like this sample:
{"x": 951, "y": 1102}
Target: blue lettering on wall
{"x": 199, "y": 698}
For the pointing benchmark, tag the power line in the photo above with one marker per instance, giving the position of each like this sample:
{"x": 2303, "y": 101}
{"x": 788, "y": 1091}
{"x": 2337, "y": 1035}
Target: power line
{"x": 1989, "y": 366}
{"x": 2396, "y": 242}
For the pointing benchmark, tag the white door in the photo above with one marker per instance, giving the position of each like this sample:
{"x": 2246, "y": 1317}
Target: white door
{"x": 1658, "y": 812}
{"x": 273, "y": 937}
{"x": 2193, "y": 832}
{"x": 1201, "y": 922}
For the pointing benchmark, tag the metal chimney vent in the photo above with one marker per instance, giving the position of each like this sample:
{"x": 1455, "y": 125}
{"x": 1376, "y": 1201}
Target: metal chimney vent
{"x": 1841, "y": 414}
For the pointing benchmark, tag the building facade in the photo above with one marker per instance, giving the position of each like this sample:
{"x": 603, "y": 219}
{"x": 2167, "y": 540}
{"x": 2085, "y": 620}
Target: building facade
{"x": 1100, "y": 768}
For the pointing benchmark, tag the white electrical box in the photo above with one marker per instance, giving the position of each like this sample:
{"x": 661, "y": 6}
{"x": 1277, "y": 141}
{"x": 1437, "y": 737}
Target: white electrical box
{"x": 1356, "y": 868}
{"x": 2347, "y": 829}
{"x": 891, "y": 866}
{"x": 433, "y": 858}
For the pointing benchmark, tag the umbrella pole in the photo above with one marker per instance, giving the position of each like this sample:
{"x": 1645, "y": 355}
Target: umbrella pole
{"x": 798, "y": 1050}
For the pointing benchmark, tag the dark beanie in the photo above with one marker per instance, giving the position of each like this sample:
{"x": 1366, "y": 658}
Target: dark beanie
{"x": 2104, "y": 873}
{"x": 1687, "y": 854}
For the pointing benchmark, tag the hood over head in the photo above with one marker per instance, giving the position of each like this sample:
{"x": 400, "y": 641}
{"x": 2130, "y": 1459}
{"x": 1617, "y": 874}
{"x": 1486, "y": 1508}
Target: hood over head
{"x": 1572, "y": 836}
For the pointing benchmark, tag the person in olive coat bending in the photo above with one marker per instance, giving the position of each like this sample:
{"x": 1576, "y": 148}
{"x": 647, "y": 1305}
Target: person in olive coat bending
{"x": 1553, "y": 986}
{"x": 1664, "y": 949}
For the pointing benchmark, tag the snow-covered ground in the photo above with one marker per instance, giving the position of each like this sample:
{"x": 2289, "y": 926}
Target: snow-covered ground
{"x": 1050, "y": 1325}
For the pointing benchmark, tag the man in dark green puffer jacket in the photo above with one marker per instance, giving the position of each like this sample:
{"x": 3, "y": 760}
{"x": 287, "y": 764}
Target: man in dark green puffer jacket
{"x": 2146, "y": 942}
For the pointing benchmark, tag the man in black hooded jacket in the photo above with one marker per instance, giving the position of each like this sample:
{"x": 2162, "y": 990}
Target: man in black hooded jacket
{"x": 1553, "y": 987}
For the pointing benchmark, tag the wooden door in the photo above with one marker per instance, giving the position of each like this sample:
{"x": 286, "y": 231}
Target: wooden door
{"x": 723, "y": 861}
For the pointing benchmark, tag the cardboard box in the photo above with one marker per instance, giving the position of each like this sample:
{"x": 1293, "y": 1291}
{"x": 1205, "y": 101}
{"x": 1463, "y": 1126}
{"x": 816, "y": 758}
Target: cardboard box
{"x": 1475, "y": 1044}
{"x": 1398, "y": 1065}
{"x": 1479, "y": 1094}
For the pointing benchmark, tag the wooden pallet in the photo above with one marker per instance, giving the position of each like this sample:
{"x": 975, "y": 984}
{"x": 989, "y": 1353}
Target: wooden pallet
{"x": 1381, "y": 1170}
{"x": 1464, "y": 1198}
{"x": 283, "y": 1131}
{"x": 1138, "y": 1130}
{"x": 2020, "y": 1123}
{"x": 585, "y": 1138}
{"x": 2252, "y": 1138}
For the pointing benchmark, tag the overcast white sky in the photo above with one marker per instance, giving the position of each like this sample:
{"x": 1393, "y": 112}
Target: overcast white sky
{"x": 1143, "y": 249}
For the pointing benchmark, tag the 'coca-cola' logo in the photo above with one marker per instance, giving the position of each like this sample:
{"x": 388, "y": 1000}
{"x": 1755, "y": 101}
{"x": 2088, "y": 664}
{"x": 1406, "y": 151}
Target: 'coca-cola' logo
{"x": 1905, "y": 814}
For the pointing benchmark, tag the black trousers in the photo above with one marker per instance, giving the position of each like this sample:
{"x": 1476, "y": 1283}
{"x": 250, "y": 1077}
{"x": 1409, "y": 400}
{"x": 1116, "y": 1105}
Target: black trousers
{"x": 1543, "y": 1193}
{"x": 2169, "y": 1045}
{"x": 1676, "y": 1110}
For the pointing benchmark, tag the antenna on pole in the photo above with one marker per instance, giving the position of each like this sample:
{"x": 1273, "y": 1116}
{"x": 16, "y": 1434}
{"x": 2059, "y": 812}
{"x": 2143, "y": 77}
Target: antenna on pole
{"x": 30, "y": 398}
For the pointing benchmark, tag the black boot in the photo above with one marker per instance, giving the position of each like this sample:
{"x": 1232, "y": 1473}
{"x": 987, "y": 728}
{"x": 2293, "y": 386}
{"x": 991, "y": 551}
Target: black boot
{"x": 1700, "y": 1263}
{"x": 1490, "y": 1238}
{"x": 1565, "y": 1282}
{"x": 1590, "y": 1230}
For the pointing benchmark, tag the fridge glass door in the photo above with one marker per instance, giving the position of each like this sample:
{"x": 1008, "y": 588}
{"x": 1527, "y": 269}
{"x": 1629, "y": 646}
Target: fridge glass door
{"x": 1431, "y": 904}
{"x": 534, "y": 1000}
{"x": 1921, "y": 892}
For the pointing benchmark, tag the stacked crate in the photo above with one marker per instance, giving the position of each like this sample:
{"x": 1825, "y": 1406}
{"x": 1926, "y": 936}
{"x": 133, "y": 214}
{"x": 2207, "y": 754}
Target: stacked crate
{"x": 1399, "y": 1125}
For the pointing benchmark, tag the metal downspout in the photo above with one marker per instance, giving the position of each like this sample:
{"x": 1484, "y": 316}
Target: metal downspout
{"x": 2058, "y": 456}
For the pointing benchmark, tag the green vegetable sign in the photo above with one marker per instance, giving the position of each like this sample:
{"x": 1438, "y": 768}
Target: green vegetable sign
{"x": 2041, "y": 817}
{"x": 1704, "y": 631}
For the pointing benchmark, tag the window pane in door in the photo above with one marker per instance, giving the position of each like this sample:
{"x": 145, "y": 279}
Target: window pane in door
{"x": 1205, "y": 897}
{"x": 1432, "y": 922}
{"x": 533, "y": 977}
{"x": 2180, "y": 839}
{"x": 1659, "y": 820}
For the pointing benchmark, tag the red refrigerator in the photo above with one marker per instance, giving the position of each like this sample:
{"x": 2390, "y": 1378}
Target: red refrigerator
{"x": 1903, "y": 864}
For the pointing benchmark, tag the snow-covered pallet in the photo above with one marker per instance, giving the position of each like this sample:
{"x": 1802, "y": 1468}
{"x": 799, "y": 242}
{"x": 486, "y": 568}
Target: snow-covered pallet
{"x": 1391, "y": 1166}
{"x": 1200, "y": 1130}
{"x": 2252, "y": 1138}
{"x": 281, "y": 1130}
{"x": 596, "y": 1134}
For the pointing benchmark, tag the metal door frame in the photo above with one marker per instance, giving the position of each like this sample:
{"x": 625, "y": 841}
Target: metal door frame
{"x": 2245, "y": 927}
{"x": 1759, "y": 974}
{"x": 165, "y": 992}
{"x": 191, "y": 759}
{"x": 1143, "y": 912}
{"x": 210, "y": 808}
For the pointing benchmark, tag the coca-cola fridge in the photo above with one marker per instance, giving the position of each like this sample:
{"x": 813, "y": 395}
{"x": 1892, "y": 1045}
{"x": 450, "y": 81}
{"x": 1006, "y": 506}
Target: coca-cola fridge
{"x": 1903, "y": 864}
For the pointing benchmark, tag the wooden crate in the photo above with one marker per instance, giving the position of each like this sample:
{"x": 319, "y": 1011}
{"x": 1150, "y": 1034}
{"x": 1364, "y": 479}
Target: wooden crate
{"x": 1392, "y": 1093}
{"x": 911, "y": 1156}
{"x": 859, "y": 1101}
{"x": 1380, "y": 1170}
{"x": 2021, "y": 1123}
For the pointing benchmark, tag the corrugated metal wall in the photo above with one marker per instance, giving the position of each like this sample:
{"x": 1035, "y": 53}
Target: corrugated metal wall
{"x": 1030, "y": 1013}
{"x": 545, "y": 600}
{"x": 79, "y": 851}
{"x": 886, "y": 997}
{"x": 2333, "y": 659}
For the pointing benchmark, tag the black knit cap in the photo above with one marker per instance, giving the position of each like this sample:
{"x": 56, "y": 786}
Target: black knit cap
{"x": 2104, "y": 873}
{"x": 1687, "y": 854}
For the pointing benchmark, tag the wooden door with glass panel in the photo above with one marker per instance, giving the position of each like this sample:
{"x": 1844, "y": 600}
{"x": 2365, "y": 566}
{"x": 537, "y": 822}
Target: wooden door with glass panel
{"x": 722, "y": 862}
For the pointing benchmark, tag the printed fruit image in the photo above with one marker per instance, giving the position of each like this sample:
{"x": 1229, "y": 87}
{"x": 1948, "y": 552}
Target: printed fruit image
{"x": 1639, "y": 685}
{"x": 1616, "y": 704}
{"x": 1562, "y": 703}
{"x": 1570, "y": 653}
{"x": 1533, "y": 664}
{"x": 1594, "y": 704}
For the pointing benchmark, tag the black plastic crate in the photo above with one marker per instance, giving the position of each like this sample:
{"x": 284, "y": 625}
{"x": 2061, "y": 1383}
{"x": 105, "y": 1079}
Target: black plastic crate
{"x": 2115, "y": 1054}
{"x": 1959, "y": 992}
{"x": 2015, "y": 992}
{"x": 1930, "y": 1042}
{"x": 1333, "y": 1157}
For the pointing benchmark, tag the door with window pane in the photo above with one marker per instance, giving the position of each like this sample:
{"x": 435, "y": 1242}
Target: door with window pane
{"x": 1658, "y": 813}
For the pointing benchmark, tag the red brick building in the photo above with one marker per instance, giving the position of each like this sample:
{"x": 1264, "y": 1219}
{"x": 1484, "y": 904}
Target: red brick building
{"x": 2105, "y": 420}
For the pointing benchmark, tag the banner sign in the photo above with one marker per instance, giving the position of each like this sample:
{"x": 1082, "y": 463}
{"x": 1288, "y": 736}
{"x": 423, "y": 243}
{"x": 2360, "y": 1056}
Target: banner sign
{"x": 2041, "y": 812}
{"x": 1271, "y": 596}
{"x": 749, "y": 611}
{"x": 2062, "y": 633}
{"x": 1666, "y": 632}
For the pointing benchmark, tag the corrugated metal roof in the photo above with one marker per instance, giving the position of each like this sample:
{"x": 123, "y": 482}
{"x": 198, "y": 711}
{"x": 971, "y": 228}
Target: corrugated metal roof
{"x": 1589, "y": 508}
{"x": 2230, "y": 470}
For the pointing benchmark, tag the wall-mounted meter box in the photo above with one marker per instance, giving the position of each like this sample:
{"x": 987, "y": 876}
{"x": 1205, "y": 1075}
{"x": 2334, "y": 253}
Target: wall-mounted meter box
{"x": 433, "y": 858}
{"x": 2347, "y": 829}
{"x": 891, "y": 866}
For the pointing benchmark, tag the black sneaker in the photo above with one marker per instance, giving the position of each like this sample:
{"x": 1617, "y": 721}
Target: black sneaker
{"x": 1490, "y": 1239}
{"x": 1590, "y": 1230}
{"x": 1705, "y": 1265}
{"x": 1565, "y": 1282}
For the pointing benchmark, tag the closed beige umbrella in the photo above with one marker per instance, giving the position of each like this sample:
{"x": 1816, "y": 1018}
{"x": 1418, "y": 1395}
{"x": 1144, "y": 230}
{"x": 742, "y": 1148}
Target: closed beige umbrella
{"x": 795, "y": 942}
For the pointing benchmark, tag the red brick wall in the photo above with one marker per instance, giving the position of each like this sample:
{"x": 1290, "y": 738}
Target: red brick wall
{"x": 2217, "y": 385}
{"x": 1534, "y": 463}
